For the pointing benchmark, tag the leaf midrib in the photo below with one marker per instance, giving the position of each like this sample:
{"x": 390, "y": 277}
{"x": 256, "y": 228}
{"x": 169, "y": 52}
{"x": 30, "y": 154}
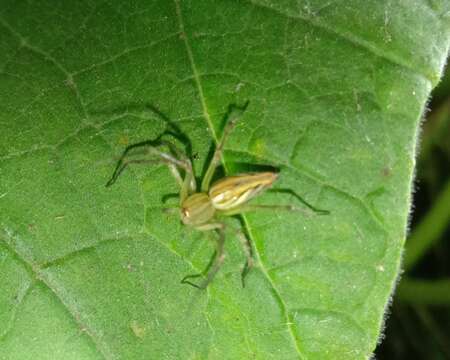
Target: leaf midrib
{"x": 283, "y": 307}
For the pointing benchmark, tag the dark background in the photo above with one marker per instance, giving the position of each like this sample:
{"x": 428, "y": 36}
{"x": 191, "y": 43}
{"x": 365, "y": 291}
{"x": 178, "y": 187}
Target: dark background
{"x": 418, "y": 326}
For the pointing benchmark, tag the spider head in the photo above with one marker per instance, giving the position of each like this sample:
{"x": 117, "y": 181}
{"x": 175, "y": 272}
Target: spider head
{"x": 197, "y": 209}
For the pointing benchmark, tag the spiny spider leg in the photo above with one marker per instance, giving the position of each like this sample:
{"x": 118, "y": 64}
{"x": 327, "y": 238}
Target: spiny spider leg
{"x": 186, "y": 279}
{"x": 251, "y": 208}
{"x": 245, "y": 241}
{"x": 124, "y": 164}
{"x": 219, "y": 257}
{"x": 299, "y": 198}
{"x": 151, "y": 149}
{"x": 174, "y": 149}
{"x": 248, "y": 251}
{"x": 188, "y": 185}
{"x": 257, "y": 207}
{"x": 234, "y": 114}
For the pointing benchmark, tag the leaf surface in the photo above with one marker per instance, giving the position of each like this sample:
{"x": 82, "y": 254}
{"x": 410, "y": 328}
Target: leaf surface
{"x": 336, "y": 93}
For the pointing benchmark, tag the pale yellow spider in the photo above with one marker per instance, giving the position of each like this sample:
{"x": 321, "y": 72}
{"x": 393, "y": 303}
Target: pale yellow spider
{"x": 226, "y": 197}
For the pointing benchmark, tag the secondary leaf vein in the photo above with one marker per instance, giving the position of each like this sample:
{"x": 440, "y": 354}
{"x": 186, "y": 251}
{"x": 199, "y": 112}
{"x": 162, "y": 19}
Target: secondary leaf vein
{"x": 351, "y": 38}
{"x": 41, "y": 276}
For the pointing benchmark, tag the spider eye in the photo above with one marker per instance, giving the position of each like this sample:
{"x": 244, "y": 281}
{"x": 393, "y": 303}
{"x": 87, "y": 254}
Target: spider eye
{"x": 185, "y": 212}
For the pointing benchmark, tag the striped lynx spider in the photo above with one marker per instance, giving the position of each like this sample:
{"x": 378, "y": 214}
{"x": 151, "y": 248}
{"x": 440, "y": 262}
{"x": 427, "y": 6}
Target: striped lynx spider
{"x": 204, "y": 208}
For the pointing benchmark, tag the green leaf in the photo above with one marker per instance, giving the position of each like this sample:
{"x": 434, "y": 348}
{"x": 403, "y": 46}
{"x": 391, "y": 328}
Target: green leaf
{"x": 336, "y": 93}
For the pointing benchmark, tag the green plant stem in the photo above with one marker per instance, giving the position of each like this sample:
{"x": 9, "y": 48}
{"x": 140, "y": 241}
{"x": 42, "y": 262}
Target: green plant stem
{"x": 429, "y": 230}
{"x": 436, "y": 292}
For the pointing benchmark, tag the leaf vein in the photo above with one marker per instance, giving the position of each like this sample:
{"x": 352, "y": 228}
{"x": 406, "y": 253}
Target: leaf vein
{"x": 35, "y": 269}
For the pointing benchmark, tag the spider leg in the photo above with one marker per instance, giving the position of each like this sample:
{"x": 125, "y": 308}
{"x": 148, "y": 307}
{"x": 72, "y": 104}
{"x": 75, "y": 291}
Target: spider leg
{"x": 123, "y": 164}
{"x": 234, "y": 114}
{"x": 150, "y": 149}
{"x": 299, "y": 198}
{"x": 251, "y": 208}
{"x": 217, "y": 260}
{"x": 248, "y": 251}
{"x": 189, "y": 185}
{"x": 175, "y": 150}
{"x": 146, "y": 112}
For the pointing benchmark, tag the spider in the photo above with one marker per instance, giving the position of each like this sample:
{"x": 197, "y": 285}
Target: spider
{"x": 204, "y": 208}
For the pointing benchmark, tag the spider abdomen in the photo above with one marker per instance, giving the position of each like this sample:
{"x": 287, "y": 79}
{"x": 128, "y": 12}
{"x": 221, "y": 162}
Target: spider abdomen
{"x": 232, "y": 191}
